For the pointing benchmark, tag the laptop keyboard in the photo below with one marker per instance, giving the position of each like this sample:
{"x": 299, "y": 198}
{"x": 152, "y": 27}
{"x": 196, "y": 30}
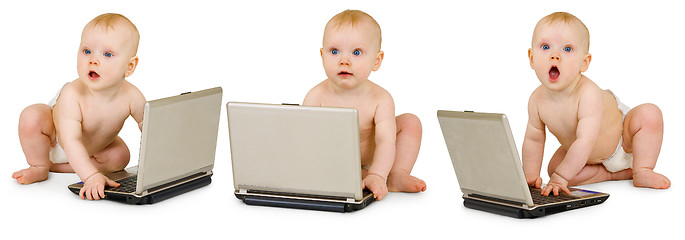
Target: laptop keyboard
{"x": 128, "y": 185}
{"x": 542, "y": 199}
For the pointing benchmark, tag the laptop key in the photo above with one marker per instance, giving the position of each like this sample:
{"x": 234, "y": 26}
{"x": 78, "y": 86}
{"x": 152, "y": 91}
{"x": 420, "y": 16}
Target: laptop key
{"x": 128, "y": 185}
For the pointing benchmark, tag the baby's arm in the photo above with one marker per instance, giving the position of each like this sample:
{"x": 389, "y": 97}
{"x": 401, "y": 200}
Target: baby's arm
{"x": 587, "y": 131}
{"x": 70, "y": 134}
{"x": 384, "y": 154}
{"x": 137, "y": 106}
{"x": 533, "y": 145}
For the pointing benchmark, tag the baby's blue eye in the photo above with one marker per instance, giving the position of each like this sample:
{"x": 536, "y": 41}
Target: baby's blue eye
{"x": 108, "y": 54}
{"x": 545, "y": 47}
{"x": 568, "y": 49}
{"x": 86, "y": 51}
{"x": 357, "y": 52}
{"x": 334, "y": 51}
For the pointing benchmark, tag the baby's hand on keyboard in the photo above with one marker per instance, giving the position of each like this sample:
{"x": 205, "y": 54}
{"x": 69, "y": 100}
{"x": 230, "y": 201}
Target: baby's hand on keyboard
{"x": 377, "y": 185}
{"x": 555, "y": 184}
{"x": 534, "y": 180}
{"x": 94, "y": 187}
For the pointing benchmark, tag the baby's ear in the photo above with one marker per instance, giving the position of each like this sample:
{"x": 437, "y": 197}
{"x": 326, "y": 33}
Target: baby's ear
{"x": 530, "y": 57}
{"x": 379, "y": 60}
{"x": 132, "y": 64}
{"x": 586, "y": 62}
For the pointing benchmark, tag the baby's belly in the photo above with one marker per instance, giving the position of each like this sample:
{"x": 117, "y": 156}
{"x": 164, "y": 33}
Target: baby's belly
{"x": 98, "y": 143}
{"x": 604, "y": 148}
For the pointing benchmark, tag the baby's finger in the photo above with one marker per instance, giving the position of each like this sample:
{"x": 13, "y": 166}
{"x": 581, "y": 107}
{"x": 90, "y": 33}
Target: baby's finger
{"x": 545, "y": 191}
{"x": 566, "y": 190}
{"x": 93, "y": 193}
{"x": 96, "y": 196}
{"x": 556, "y": 190}
{"x": 101, "y": 191}
{"x": 112, "y": 183}
{"x": 89, "y": 195}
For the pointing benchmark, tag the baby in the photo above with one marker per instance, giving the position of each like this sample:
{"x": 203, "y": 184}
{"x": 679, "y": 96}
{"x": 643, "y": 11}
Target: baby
{"x": 389, "y": 145}
{"x": 599, "y": 135}
{"x": 77, "y": 131}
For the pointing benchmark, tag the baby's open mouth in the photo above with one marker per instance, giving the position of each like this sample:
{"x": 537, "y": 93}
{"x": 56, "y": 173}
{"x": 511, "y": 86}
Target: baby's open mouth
{"x": 93, "y": 75}
{"x": 553, "y": 73}
{"x": 344, "y": 74}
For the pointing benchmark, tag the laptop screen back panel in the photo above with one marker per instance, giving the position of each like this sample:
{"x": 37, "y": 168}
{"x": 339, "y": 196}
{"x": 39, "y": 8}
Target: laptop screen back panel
{"x": 179, "y": 137}
{"x": 295, "y": 149}
{"x": 484, "y": 155}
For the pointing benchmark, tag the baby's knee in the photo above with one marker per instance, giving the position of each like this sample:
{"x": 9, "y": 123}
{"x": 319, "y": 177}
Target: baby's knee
{"x": 644, "y": 117}
{"x": 651, "y": 115}
{"x": 34, "y": 118}
{"x": 409, "y": 122}
{"x": 120, "y": 159}
{"x": 114, "y": 159}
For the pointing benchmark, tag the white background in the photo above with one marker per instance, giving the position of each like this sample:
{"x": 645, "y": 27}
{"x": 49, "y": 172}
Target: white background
{"x": 438, "y": 55}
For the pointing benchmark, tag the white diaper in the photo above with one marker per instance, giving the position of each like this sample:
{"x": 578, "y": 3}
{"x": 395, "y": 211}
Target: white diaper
{"x": 620, "y": 160}
{"x": 57, "y": 154}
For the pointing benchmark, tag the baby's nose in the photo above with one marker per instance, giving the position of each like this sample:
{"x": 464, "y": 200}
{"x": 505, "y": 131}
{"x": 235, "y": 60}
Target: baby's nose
{"x": 344, "y": 61}
{"x": 554, "y": 57}
{"x": 93, "y": 60}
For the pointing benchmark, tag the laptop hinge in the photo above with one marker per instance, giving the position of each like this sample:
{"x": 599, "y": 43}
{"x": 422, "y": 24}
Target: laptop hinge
{"x": 350, "y": 200}
{"x": 242, "y": 191}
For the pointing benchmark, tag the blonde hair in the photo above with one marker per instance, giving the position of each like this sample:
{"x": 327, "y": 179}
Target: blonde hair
{"x": 109, "y": 20}
{"x": 352, "y": 18}
{"x": 566, "y": 18}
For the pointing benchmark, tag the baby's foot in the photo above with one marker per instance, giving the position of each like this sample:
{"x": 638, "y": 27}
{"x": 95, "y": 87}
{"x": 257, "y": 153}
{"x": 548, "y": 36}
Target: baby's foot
{"x": 651, "y": 179}
{"x": 31, "y": 175}
{"x": 399, "y": 181}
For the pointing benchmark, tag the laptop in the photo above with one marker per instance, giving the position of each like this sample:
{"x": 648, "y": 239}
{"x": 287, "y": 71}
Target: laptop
{"x": 489, "y": 171}
{"x": 177, "y": 149}
{"x": 296, "y": 156}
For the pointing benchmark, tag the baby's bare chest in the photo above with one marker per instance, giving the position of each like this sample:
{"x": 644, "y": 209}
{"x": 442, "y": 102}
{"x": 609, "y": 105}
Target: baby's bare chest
{"x": 103, "y": 120}
{"x": 560, "y": 119}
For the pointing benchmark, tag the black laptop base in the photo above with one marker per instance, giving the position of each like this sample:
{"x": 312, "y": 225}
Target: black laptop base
{"x": 532, "y": 213}
{"x": 304, "y": 204}
{"x": 157, "y": 196}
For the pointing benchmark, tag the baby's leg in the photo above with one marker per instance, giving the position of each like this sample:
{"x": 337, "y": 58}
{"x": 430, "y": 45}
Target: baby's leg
{"x": 113, "y": 158}
{"x": 36, "y": 136}
{"x": 407, "y": 147}
{"x": 591, "y": 173}
{"x": 594, "y": 173}
{"x": 643, "y": 131}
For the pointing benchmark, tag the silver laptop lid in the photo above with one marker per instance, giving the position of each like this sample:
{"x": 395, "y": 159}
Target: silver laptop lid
{"x": 295, "y": 149}
{"x": 179, "y": 137}
{"x": 484, "y": 155}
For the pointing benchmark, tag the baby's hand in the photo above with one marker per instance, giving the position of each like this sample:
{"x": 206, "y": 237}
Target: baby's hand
{"x": 534, "y": 180}
{"x": 555, "y": 184}
{"x": 377, "y": 185}
{"x": 94, "y": 187}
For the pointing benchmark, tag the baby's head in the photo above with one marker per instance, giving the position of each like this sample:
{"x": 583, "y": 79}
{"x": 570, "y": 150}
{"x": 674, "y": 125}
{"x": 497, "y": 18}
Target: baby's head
{"x": 560, "y": 50}
{"x": 351, "y": 48}
{"x": 107, "y": 53}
